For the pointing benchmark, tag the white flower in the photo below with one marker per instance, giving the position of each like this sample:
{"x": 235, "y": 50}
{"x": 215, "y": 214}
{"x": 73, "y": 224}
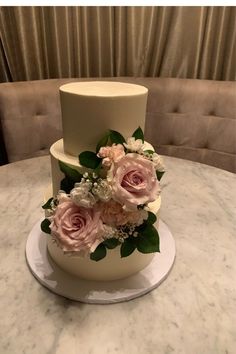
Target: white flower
{"x": 62, "y": 196}
{"x": 143, "y": 215}
{"x": 102, "y": 190}
{"x": 109, "y": 232}
{"x": 53, "y": 205}
{"x": 81, "y": 194}
{"x": 134, "y": 145}
{"x": 158, "y": 163}
{"x": 48, "y": 213}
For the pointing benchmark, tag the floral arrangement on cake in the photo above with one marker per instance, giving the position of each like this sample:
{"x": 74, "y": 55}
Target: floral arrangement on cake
{"x": 107, "y": 206}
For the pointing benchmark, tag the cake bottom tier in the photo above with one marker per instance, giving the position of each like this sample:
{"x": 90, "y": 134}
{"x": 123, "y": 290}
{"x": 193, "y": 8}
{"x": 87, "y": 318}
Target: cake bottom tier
{"x": 112, "y": 267}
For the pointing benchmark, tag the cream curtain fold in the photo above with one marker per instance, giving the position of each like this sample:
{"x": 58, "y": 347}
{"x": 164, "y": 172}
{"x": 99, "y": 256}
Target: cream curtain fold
{"x": 55, "y": 42}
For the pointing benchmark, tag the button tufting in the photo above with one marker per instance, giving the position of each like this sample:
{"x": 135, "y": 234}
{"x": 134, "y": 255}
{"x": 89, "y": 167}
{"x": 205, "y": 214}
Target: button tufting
{"x": 39, "y": 113}
{"x": 176, "y": 110}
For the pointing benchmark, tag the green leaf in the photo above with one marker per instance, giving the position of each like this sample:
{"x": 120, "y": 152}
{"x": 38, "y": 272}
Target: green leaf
{"x": 149, "y": 151}
{"x": 111, "y": 243}
{"x": 45, "y": 226}
{"x": 159, "y": 174}
{"x": 148, "y": 240}
{"x": 151, "y": 218}
{"x": 47, "y": 205}
{"x": 127, "y": 247}
{"x": 99, "y": 253}
{"x": 69, "y": 172}
{"x": 103, "y": 142}
{"x": 67, "y": 185}
{"x": 89, "y": 159}
{"x": 138, "y": 134}
{"x": 98, "y": 168}
{"x": 116, "y": 138}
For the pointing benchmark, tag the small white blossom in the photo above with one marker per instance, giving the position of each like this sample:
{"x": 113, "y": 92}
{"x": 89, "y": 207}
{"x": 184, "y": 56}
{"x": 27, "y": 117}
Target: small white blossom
{"x": 62, "y": 196}
{"x": 81, "y": 194}
{"x": 48, "y": 212}
{"x": 158, "y": 163}
{"x": 109, "y": 232}
{"x": 134, "y": 145}
{"x": 124, "y": 231}
{"x": 53, "y": 205}
{"x": 95, "y": 175}
{"x": 102, "y": 190}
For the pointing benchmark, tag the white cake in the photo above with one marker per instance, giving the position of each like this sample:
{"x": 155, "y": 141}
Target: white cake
{"x": 89, "y": 109}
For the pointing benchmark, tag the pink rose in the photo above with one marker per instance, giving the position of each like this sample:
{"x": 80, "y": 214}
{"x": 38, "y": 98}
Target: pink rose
{"x": 134, "y": 182}
{"x": 113, "y": 214}
{"x": 75, "y": 228}
{"x": 111, "y": 154}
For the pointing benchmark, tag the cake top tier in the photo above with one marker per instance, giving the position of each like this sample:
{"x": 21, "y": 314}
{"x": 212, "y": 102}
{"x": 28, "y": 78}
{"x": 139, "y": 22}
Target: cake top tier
{"x": 89, "y": 109}
{"x": 103, "y": 89}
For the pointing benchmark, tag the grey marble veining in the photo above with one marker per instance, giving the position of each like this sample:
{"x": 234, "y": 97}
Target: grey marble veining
{"x": 193, "y": 311}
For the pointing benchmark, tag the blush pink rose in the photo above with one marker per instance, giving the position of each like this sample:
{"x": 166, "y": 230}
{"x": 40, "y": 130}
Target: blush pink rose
{"x": 113, "y": 214}
{"x": 133, "y": 180}
{"x": 111, "y": 154}
{"x": 76, "y": 229}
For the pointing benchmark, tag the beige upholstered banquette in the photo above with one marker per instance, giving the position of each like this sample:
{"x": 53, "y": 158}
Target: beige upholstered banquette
{"x": 191, "y": 119}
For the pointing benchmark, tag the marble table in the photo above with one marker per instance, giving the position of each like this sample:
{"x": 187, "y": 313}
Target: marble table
{"x": 192, "y": 312}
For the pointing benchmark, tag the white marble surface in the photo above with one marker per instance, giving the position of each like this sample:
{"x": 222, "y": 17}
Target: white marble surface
{"x": 192, "y": 312}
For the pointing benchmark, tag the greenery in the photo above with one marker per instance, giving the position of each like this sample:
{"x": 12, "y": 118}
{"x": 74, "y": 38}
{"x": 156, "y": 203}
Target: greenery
{"x": 111, "y": 137}
{"x": 47, "y": 205}
{"x": 111, "y": 243}
{"x": 99, "y": 253}
{"x": 89, "y": 159}
{"x": 149, "y": 151}
{"x": 147, "y": 240}
{"x": 138, "y": 134}
{"x": 67, "y": 185}
{"x": 69, "y": 172}
{"x": 45, "y": 226}
{"x": 127, "y": 247}
{"x": 151, "y": 218}
{"x": 103, "y": 142}
{"x": 71, "y": 177}
{"x": 116, "y": 138}
{"x": 159, "y": 174}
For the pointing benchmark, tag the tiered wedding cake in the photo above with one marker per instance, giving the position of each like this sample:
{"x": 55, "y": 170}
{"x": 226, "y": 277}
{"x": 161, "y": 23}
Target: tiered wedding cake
{"x": 105, "y": 183}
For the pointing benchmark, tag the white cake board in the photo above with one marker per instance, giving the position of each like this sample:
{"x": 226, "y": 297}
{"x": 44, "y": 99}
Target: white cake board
{"x": 71, "y": 287}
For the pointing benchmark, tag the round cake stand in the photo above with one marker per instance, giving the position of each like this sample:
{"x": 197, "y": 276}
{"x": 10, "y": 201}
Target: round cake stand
{"x": 71, "y": 287}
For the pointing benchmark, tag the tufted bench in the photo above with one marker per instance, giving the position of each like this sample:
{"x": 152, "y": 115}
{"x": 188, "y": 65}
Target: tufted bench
{"x": 191, "y": 119}
{"x": 194, "y": 119}
{"x": 30, "y": 117}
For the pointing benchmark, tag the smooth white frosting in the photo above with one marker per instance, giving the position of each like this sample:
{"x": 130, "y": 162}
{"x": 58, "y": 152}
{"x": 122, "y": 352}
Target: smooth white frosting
{"x": 112, "y": 267}
{"x": 57, "y": 154}
{"x": 90, "y": 108}
{"x": 103, "y": 89}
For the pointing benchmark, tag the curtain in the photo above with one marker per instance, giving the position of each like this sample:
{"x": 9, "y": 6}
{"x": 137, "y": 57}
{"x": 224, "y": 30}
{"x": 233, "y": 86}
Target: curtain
{"x": 55, "y": 42}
